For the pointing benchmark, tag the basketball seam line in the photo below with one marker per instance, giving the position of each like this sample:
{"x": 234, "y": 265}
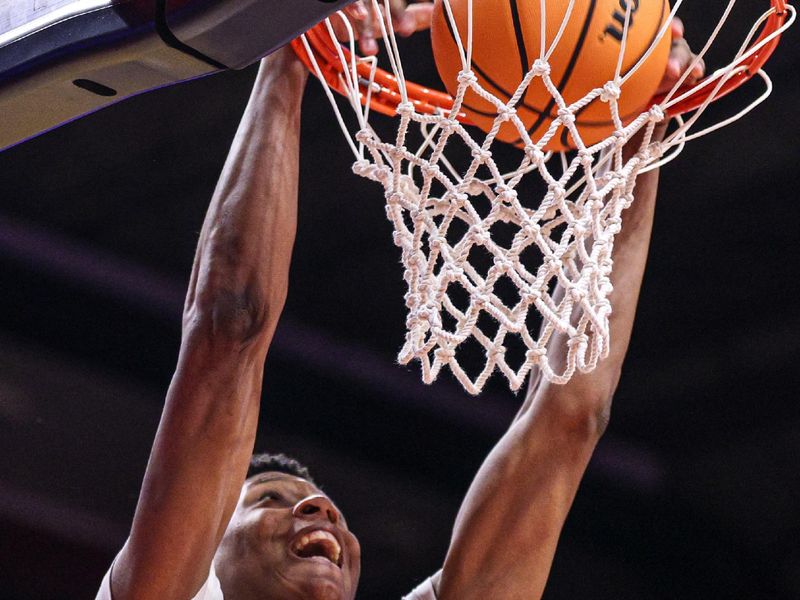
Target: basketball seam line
{"x": 573, "y": 60}
{"x": 547, "y": 111}
{"x": 488, "y": 79}
{"x": 634, "y": 63}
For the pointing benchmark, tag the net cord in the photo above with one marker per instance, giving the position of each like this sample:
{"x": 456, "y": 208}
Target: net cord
{"x": 574, "y": 225}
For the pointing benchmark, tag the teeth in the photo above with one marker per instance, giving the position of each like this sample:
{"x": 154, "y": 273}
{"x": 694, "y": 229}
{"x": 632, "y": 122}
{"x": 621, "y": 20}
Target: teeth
{"x": 327, "y": 542}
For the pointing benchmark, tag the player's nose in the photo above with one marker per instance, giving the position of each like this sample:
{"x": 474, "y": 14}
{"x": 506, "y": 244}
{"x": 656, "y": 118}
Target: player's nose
{"x": 316, "y": 507}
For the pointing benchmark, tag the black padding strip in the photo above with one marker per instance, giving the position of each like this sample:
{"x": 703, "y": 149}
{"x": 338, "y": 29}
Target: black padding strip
{"x": 166, "y": 35}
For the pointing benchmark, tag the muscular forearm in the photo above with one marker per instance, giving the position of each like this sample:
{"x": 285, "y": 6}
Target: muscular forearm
{"x": 630, "y": 256}
{"x": 240, "y": 275}
{"x": 242, "y": 262}
{"x": 521, "y": 495}
{"x": 236, "y": 293}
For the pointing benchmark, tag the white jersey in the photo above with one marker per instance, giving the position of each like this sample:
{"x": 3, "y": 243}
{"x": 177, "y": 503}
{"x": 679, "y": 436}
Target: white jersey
{"x": 424, "y": 591}
{"x": 211, "y": 589}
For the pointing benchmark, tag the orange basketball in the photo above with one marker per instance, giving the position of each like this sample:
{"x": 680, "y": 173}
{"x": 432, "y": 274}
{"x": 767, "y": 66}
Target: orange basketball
{"x": 507, "y": 40}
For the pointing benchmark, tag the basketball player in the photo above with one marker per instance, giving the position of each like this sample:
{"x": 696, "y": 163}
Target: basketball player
{"x": 211, "y": 524}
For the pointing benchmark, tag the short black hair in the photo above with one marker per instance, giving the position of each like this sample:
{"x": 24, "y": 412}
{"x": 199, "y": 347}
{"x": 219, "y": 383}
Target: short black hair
{"x": 260, "y": 463}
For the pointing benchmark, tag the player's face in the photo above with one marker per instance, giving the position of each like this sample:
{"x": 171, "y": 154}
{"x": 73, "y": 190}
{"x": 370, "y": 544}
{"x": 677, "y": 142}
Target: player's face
{"x": 287, "y": 540}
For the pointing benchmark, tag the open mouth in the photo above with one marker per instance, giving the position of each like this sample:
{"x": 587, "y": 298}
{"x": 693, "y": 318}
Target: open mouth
{"x": 319, "y": 543}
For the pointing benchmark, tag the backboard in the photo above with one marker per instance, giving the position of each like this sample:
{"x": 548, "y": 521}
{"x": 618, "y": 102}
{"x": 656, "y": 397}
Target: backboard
{"x": 61, "y": 59}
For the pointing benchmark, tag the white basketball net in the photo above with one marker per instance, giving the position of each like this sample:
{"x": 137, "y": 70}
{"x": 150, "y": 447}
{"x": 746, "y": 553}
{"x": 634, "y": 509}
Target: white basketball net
{"x": 439, "y": 227}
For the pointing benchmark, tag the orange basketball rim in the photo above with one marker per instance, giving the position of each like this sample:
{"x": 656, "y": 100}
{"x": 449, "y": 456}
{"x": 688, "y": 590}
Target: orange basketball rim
{"x": 386, "y": 99}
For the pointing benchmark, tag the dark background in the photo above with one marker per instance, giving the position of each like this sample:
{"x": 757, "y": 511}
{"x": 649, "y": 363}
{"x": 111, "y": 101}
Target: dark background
{"x": 693, "y": 492}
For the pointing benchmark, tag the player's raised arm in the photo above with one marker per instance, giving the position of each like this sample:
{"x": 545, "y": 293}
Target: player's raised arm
{"x": 506, "y": 532}
{"x": 236, "y": 294}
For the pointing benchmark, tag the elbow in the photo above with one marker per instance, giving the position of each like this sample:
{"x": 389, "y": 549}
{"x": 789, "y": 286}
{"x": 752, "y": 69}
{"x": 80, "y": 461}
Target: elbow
{"x": 599, "y": 407}
{"x": 234, "y": 317}
{"x": 584, "y": 418}
{"x": 584, "y": 412}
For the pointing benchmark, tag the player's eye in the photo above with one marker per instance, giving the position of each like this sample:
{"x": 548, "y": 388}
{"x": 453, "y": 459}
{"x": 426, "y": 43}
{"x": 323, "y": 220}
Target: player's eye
{"x": 270, "y": 496}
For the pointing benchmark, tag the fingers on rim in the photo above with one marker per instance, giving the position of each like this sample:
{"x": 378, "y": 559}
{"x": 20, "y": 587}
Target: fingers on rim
{"x": 677, "y": 28}
{"x": 699, "y": 71}
{"x": 356, "y": 11}
{"x": 367, "y": 42}
{"x": 406, "y": 19}
{"x": 420, "y": 15}
{"x": 398, "y": 9}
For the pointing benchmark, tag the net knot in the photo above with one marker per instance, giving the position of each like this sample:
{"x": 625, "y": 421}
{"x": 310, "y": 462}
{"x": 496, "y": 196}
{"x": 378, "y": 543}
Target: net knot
{"x": 505, "y": 193}
{"x": 453, "y": 271}
{"x": 412, "y": 300}
{"x": 428, "y": 313}
{"x": 399, "y": 239}
{"x": 503, "y": 264}
{"x": 586, "y": 158}
{"x": 552, "y": 263}
{"x": 540, "y": 68}
{"x": 481, "y": 154}
{"x": 530, "y": 296}
{"x": 429, "y": 169}
{"x": 611, "y": 91}
{"x": 655, "y": 150}
{"x": 364, "y": 136}
{"x": 535, "y": 154}
{"x": 436, "y": 241}
{"x": 619, "y": 183}
{"x": 595, "y": 204}
{"x": 479, "y": 235}
{"x": 505, "y": 113}
{"x": 614, "y": 224}
{"x": 657, "y": 113}
{"x": 479, "y": 300}
{"x": 398, "y": 152}
{"x": 383, "y": 174}
{"x": 448, "y": 126}
{"x": 566, "y": 117}
{"x": 577, "y": 293}
{"x": 361, "y": 166}
{"x": 496, "y": 352}
{"x": 531, "y": 230}
{"x": 405, "y": 109}
{"x": 445, "y": 354}
{"x": 580, "y": 340}
{"x": 369, "y": 170}
{"x": 535, "y": 354}
{"x": 467, "y": 77}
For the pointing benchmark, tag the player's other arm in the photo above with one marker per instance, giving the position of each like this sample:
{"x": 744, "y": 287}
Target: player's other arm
{"x": 509, "y": 523}
{"x": 506, "y": 532}
{"x": 236, "y": 293}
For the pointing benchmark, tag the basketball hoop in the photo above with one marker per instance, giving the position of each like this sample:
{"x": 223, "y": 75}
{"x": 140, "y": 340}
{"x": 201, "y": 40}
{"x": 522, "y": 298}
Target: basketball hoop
{"x": 455, "y": 296}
